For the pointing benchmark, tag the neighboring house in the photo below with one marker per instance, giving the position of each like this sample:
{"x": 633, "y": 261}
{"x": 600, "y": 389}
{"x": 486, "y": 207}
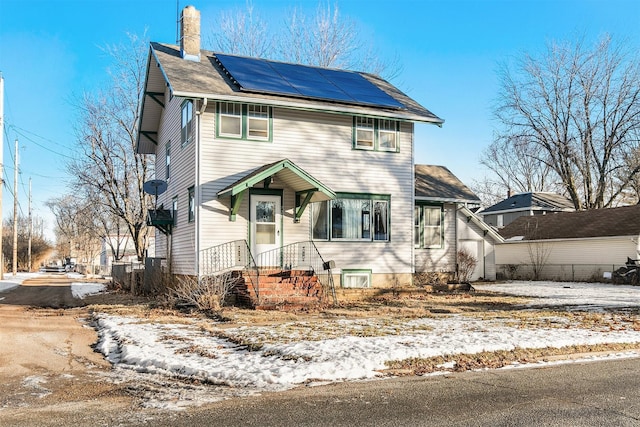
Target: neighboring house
{"x": 274, "y": 154}
{"x": 570, "y": 245}
{"x": 525, "y": 204}
{"x": 445, "y": 224}
{"x": 126, "y": 248}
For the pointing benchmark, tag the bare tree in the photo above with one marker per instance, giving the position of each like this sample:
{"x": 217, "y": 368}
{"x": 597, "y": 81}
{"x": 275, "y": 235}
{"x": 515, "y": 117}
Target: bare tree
{"x": 107, "y": 170}
{"x": 325, "y": 39}
{"x": 41, "y": 248}
{"x": 243, "y": 32}
{"x": 578, "y": 111}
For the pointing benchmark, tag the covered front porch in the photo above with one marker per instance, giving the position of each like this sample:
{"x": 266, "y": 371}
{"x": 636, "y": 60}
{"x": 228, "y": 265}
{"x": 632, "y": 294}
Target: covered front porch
{"x": 279, "y": 264}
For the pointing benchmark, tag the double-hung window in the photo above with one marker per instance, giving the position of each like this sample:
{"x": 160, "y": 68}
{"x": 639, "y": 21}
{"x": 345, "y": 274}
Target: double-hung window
{"x": 428, "y": 227}
{"x": 364, "y": 133}
{"x": 257, "y": 121}
{"x": 174, "y": 209}
{"x": 352, "y": 218}
{"x": 375, "y": 134}
{"x": 230, "y": 122}
{"x": 192, "y": 204}
{"x": 186, "y": 123}
{"x": 244, "y": 121}
{"x": 167, "y": 161}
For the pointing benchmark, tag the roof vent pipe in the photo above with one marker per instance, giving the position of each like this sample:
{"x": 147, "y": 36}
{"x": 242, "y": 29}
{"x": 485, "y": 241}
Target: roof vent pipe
{"x": 190, "y": 34}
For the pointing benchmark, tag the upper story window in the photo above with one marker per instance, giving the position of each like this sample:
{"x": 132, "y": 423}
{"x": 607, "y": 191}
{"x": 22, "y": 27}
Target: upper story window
{"x": 352, "y": 218}
{"x": 230, "y": 119}
{"x": 375, "y": 134}
{"x": 364, "y": 133}
{"x": 244, "y": 121}
{"x": 186, "y": 123}
{"x": 429, "y": 227}
{"x": 167, "y": 161}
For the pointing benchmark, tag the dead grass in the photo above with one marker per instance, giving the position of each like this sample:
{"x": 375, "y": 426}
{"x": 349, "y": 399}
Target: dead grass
{"x": 498, "y": 359}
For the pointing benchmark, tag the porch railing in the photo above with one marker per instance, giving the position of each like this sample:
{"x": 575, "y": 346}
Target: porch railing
{"x": 234, "y": 255}
{"x": 299, "y": 256}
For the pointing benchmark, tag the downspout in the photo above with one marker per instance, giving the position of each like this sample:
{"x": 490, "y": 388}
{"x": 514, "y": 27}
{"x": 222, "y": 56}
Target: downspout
{"x": 197, "y": 190}
{"x": 412, "y": 244}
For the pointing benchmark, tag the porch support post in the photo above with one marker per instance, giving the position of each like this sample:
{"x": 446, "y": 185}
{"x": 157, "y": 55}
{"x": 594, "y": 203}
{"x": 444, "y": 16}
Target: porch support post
{"x": 236, "y": 199}
{"x": 300, "y": 207}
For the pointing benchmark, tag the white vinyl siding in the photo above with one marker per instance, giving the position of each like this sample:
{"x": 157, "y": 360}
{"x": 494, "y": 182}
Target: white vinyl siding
{"x": 182, "y": 175}
{"x": 313, "y": 141}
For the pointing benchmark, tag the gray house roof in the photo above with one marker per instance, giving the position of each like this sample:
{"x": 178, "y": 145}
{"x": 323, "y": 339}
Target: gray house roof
{"x": 622, "y": 221}
{"x": 531, "y": 201}
{"x": 438, "y": 184}
{"x": 208, "y": 79}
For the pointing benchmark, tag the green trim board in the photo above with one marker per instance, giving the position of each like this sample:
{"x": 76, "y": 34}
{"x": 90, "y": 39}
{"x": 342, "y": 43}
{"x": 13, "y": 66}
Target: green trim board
{"x": 269, "y": 170}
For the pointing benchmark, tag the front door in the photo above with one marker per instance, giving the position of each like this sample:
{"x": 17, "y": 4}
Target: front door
{"x": 265, "y": 227}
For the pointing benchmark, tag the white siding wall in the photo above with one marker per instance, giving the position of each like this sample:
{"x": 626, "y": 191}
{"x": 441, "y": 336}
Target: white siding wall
{"x": 181, "y": 178}
{"x": 470, "y": 232}
{"x": 321, "y": 144}
{"x": 443, "y": 259}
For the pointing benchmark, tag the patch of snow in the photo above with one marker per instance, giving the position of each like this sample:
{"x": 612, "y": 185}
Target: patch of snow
{"x": 10, "y": 281}
{"x": 81, "y": 290}
{"x": 577, "y": 295}
{"x": 289, "y": 355}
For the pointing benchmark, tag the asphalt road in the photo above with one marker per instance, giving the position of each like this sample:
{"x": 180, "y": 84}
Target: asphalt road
{"x": 577, "y": 394}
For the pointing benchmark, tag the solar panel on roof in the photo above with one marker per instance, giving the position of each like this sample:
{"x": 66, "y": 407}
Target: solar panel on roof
{"x": 260, "y": 75}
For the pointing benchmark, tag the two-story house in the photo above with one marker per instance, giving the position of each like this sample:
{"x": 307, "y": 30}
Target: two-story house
{"x": 263, "y": 155}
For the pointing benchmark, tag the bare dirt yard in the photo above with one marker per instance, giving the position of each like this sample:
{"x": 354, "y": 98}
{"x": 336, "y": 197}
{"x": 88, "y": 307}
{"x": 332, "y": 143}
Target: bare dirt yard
{"x": 49, "y": 372}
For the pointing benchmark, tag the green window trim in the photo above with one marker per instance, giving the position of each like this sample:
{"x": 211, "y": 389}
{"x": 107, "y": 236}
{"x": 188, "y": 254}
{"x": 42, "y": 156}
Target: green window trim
{"x": 380, "y": 131}
{"x": 352, "y": 217}
{"x": 420, "y": 226}
{"x": 247, "y": 114}
{"x": 347, "y": 274}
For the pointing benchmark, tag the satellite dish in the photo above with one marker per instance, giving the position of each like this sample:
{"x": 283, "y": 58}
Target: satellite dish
{"x": 155, "y": 187}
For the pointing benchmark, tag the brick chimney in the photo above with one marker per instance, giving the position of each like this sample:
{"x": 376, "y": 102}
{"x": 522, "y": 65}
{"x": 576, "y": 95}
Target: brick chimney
{"x": 190, "y": 34}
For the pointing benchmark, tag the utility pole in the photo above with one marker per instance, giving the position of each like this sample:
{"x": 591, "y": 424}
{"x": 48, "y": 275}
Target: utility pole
{"x": 15, "y": 212}
{"x": 1, "y": 170}
{"x": 30, "y": 230}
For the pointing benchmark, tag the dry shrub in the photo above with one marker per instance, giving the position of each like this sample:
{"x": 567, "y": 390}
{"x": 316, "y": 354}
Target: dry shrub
{"x": 207, "y": 295}
{"x": 466, "y": 265}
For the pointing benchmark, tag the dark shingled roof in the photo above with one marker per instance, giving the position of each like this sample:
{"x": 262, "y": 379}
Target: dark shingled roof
{"x": 536, "y": 201}
{"x": 208, "y": 78}
{"x": 622, "y": 221}
{"x": 439, "y": 184}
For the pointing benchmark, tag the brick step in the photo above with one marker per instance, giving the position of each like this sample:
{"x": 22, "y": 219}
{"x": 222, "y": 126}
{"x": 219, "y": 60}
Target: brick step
{"x": 277, "y": 287}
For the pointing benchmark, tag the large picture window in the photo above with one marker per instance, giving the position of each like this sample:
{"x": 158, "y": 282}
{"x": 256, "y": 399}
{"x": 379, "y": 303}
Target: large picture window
{"x": 353, "y": 218}
{"x": 244, "y": 121}
{"x": 375, "y": 134}
{"x": 428, "y": 227}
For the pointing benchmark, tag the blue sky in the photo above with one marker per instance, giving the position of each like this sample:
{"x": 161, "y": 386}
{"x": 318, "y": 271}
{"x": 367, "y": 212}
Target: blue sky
{"x": 449, "y": 51}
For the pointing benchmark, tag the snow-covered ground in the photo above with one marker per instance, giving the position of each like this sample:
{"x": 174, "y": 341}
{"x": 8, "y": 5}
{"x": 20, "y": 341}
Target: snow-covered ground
{"x": 10, "y": 281}
{"x": 249, "y": 359}
{"x": 81, "y": 289}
